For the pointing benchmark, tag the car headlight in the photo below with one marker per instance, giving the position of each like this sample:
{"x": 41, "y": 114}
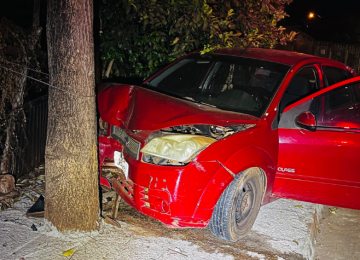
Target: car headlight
{"x": 180, "y": 148}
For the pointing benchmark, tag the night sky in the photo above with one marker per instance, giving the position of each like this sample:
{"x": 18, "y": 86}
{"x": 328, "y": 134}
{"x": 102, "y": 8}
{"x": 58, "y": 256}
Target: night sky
{"x": 299, "y": 9}
{"x": 335, "y": 20}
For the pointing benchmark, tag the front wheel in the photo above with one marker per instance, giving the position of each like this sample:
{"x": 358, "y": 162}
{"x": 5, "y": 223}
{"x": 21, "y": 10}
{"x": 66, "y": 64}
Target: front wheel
{"x": 238, "y": 206}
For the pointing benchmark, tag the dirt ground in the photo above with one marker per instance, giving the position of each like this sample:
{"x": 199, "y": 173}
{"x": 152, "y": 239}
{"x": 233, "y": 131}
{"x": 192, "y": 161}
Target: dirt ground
{"x": 284, "y": 230}
{"x": 142, "y": 225}
{"x": 339, "y": 236}
{"x": 281, "y": 231}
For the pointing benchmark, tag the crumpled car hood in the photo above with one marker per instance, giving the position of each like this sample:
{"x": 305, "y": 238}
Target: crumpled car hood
{"x": 137, "y": 108}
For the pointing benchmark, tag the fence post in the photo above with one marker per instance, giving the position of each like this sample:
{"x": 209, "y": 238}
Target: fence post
{"x": 346, "y": 55}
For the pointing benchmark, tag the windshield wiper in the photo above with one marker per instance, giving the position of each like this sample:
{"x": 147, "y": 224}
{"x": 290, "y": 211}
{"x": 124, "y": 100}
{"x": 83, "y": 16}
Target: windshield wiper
{"x": 190, "y": 98}
{"x": 148, "y": 84}
{"x": 206, "y": 104}
{"x": 198, "y": 102}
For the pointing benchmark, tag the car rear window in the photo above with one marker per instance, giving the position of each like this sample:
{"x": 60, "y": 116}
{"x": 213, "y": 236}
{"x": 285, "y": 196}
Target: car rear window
{"x": 335, "y": 75}
{"x": 338, "y": 108}
{"x": 230, "y": 83}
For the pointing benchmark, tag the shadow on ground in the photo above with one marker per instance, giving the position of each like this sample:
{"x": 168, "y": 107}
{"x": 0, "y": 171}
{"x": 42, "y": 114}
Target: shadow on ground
{"x": 252, "y": 246}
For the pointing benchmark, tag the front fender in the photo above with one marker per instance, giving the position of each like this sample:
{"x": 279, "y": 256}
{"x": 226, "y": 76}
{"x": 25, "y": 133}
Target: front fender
{"x": 254, "y": 157}
{"x": 237, "y": 163}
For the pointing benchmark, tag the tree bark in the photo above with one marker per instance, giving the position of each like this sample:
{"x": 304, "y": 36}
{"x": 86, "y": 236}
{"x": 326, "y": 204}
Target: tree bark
{"x": 18, "y": 91}
{"x": 16, "y": 103}
{"x": 36, "y": 13}
{"x": 98, "y": 60}
{"x": 71, "y": 167}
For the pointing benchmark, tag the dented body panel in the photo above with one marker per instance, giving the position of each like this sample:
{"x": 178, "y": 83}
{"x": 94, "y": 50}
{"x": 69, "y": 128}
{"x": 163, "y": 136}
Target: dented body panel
{"x": 138, "y": 109}
{"x": 185, "y": 195}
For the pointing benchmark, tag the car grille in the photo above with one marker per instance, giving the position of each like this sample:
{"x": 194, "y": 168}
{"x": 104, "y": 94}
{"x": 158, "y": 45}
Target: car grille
{"x": 132, "y": 147}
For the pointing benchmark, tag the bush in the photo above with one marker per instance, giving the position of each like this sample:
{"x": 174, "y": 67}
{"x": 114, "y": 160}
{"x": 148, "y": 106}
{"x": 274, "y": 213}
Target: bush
{"x": 142, "y": 36}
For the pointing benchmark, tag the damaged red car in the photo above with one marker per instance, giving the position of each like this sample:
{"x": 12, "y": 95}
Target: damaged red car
{"x": 211, "y": 138}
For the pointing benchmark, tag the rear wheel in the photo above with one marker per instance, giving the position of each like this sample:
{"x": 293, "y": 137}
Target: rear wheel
{"x": 238, "y": 206}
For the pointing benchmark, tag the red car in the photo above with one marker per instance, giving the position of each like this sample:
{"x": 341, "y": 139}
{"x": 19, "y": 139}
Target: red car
{"x": 211, "y": 138}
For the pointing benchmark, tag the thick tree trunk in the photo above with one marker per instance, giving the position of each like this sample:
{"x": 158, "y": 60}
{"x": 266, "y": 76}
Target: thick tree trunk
{"x": 71, "y": 167}
{"x": 98, "y": 60}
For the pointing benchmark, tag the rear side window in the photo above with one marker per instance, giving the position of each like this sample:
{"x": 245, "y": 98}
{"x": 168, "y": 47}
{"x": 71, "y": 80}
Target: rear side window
{"x": 334, "y": 75}
{"x": 339, "y": 108}
{"x": 339, "y": 98}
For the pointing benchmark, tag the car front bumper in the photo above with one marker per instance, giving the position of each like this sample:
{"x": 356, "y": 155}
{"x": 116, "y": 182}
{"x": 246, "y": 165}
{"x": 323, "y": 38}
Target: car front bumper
{"x": 168, "y": 193}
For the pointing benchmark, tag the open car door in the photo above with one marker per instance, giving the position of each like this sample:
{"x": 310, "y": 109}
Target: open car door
{"x": 319, "y": 147}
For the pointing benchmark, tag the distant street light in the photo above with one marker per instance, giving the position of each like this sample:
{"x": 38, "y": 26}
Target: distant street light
{"x": 311, "y": 15}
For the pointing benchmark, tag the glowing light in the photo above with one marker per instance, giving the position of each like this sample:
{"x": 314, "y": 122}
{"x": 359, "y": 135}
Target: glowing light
{"x": 311, "y": 15}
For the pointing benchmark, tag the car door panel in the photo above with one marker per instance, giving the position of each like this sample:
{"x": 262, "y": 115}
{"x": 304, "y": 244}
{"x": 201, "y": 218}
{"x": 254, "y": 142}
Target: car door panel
{"x": 352, "y": 143}
{"x": 317, "y": 192}
{"x": 320, "y": 166}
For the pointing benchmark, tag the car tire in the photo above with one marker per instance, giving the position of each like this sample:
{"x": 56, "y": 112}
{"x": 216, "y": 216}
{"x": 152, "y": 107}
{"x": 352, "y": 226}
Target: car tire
{"x": 238, "y": 206}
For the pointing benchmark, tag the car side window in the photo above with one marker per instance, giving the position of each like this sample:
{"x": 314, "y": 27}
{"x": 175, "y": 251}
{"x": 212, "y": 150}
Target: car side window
{"x": 339, "y": 108}
{"x": 301, "y": 85}
{"x": 334, "y": 75}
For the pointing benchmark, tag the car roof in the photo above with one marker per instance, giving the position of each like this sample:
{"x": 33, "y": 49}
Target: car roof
{"x": 279, "y": 56}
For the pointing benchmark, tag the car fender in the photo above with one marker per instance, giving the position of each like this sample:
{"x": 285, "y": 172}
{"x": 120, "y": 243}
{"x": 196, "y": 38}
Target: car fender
{"x": 242, "y": 160}
{"x": 255, "y": 157}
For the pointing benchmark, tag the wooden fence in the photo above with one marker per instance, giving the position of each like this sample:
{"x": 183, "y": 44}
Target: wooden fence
{"x": 30, "y": 152}
{"x": 345, "y": 53}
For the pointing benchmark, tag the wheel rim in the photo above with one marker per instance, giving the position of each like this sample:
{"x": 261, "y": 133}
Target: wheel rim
{"x": 245, "y": 203}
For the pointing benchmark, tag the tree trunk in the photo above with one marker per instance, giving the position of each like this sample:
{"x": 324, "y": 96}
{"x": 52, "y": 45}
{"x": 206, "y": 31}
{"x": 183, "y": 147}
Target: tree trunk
{"x": 71, "y": 167}
{"x": 18, "y": 91}
{"x": 36, "y": 14}
{"x": 16, "y": 103}
{"x": 98, "y": 60}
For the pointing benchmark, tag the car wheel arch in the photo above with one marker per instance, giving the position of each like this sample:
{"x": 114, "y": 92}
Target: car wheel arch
{"x": 255, "y": 157}
{"x": 209, "y": 198}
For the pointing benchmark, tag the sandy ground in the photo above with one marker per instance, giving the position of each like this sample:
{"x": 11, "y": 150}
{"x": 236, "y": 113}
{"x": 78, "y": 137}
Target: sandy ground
{"x": 280, "y": 232}
{"x": 284, "y": 229}
{"x": 19, "y": 241}
{"x": 339, "y": 236}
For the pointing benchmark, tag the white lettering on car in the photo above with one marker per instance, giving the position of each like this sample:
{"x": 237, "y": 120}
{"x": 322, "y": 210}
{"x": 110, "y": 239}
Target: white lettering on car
{"x": 290, "y": 170}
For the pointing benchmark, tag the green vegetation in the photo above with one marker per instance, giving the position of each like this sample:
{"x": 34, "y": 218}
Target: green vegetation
{"x": 142, "y": 36}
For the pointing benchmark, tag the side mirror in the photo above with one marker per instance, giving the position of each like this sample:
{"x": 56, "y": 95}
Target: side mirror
{"x": 307, "y": 121}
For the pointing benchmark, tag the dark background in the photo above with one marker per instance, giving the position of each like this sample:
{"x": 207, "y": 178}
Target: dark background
{"x": 335, "y": 20}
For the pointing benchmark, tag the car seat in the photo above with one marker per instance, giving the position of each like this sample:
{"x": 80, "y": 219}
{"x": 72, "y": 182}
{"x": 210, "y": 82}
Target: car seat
{"x": 298, "y": 87}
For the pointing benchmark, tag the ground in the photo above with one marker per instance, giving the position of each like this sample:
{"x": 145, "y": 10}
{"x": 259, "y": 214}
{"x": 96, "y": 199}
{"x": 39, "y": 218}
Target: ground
{"x": 284, "y": 229}
{"x": 339, "y": 236}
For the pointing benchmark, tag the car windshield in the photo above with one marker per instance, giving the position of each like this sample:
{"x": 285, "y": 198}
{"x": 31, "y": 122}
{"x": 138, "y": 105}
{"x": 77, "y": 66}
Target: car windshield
{"x": 236, "y": 84}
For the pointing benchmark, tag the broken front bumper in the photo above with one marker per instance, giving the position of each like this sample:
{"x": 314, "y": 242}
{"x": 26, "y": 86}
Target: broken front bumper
{"x": 177, "y": 196}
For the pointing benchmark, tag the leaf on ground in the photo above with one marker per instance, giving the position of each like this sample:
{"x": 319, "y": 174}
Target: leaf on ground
{"x": 332, "y": 211}
{"x": 69, "y": 252}
{"x": 298, "y": 206}
{"x": 296, "y": 242}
